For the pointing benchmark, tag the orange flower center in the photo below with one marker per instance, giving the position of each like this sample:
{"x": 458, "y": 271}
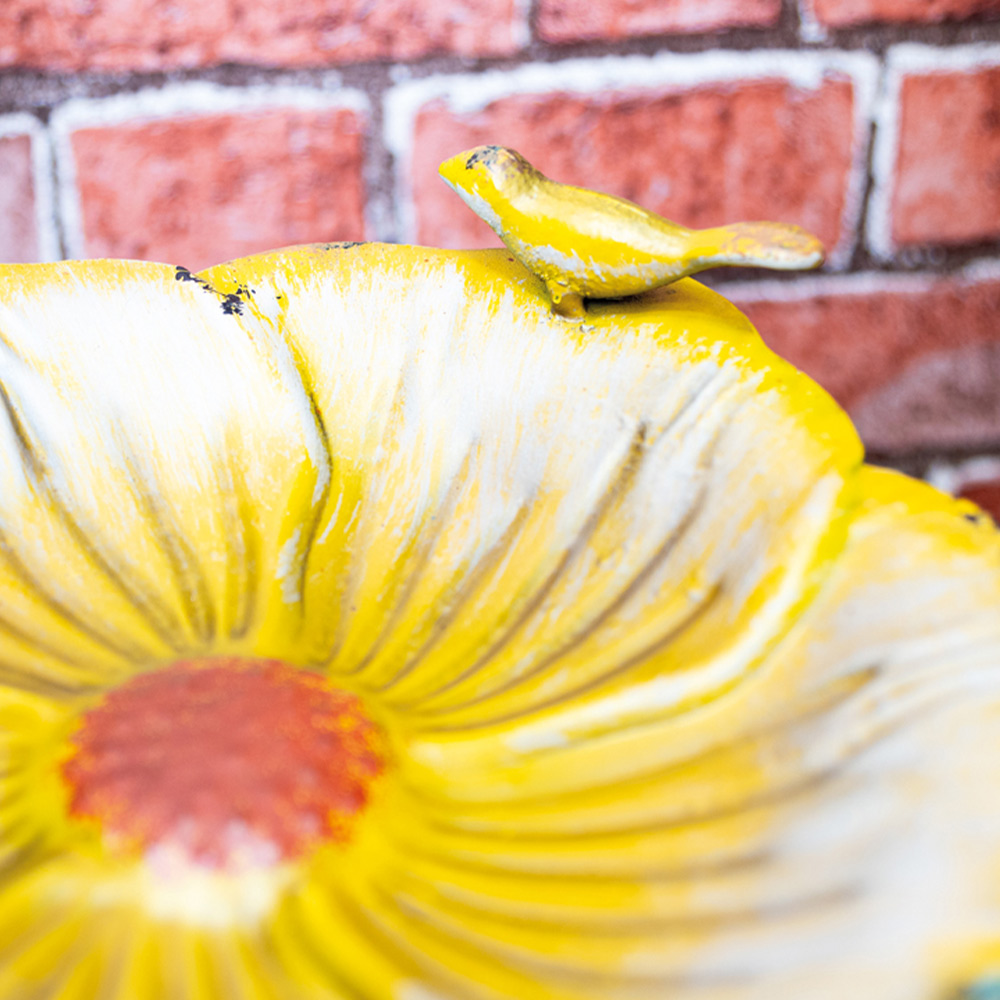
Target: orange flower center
{"x": 230, "y": 762}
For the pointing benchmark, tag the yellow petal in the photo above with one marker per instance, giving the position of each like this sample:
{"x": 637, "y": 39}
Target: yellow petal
{"x": 826, "y": 828}
{"x": 508, "y": 494}
{"x": 148, "y": 448}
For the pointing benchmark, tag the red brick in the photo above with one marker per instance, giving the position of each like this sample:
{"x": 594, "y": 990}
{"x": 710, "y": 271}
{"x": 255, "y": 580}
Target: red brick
{"x": 200, "y": 190}
{"x": 986, "y": 494}
{"x": 844, "y": 13}
{"x": 701, "y": 156}
{"x": 580, "y": 20}
{"x": 152, "y": 34}
{"x": 947, "y": 187}
{"x": 18, "y": 236}
{"x": 945, "y": 400}
{"x": 915, "y": 368}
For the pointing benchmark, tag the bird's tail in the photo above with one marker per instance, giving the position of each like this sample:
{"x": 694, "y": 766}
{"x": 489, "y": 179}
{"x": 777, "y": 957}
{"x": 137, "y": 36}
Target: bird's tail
{"x": 754, "y": 244}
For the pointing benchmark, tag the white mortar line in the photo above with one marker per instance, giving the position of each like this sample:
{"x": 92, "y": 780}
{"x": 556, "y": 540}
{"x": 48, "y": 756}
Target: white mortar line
{"x": 909, "y": 57}
{"x": 468, "y": 93}
{"x": 985, "y": 269}
{"x": 884, "y": 150}
{"x": 183, "y": 100}
{"x": 378, "y": 209}
{"x": 950, "y": 477}
{"x": 43, "y": 167}
{"x": 46, "y": 234}
{"x": 521, "y": 34}
{"x": 19, "y": 123}
{"x": 862, "y": 283}
{"x": 810, "y": 27}
{"x": 903, "y": 60}
{"x": 866, "y": 80}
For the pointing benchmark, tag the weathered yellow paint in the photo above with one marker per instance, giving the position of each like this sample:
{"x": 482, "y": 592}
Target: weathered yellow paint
{"x": 683, "y": 699}
{"x": 585, "y": 244}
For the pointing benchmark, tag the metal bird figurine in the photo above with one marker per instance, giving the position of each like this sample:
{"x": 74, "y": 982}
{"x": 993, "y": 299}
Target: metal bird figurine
{"x": 585, "y": 244}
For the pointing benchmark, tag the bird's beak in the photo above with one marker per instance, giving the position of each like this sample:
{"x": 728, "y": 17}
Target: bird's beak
{"x": 453, "y": 169}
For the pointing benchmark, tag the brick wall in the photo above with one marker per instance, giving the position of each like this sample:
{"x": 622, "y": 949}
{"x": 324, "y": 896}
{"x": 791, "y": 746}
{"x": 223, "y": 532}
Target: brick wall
{"x": 196, "y": 130}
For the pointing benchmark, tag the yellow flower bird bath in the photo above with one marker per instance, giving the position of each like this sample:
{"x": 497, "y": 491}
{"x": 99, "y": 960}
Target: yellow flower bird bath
{"x": 368, "y": 631}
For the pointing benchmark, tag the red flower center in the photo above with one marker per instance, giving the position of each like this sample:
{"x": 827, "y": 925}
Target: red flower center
{"x": 230, "y": 762}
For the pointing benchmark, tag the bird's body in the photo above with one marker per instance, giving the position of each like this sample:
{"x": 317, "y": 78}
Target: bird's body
{"x": 585, "y": 244}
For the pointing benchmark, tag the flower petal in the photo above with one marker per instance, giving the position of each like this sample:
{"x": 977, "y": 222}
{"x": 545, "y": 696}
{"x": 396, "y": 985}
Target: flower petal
{"x": 148, "y": 447}
{"x": 822, "y": 829}
{"x": 471, "y": 559}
